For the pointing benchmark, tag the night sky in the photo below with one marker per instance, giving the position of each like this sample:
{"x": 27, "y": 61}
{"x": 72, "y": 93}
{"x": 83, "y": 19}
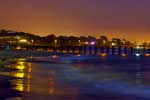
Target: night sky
{"x": 115, "y": 18}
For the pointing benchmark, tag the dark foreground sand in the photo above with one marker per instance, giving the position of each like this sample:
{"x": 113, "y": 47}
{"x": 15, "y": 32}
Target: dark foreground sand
{"x": 5, "y": 88}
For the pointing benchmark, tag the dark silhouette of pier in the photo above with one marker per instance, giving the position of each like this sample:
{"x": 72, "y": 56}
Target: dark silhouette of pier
{"x": 89, "y": 49}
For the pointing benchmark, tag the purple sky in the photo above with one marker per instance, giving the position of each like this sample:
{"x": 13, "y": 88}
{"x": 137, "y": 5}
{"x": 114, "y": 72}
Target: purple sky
{"x": 115, "y": 18}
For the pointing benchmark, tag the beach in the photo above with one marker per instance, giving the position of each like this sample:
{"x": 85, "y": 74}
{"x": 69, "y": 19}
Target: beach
{"x": 73, "y": 77}
{"x": 8, "y": 58}
{"x": 51, "y": 76}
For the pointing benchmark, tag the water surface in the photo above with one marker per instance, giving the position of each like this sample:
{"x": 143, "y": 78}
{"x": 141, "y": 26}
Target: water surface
{"x": 82, "y": 78}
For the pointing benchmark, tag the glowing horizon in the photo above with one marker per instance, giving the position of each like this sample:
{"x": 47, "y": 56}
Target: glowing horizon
{"x": 127, "y": 19}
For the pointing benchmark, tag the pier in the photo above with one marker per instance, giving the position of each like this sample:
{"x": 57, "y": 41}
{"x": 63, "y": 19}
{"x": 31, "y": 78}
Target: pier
{"x": 88, "y": 49}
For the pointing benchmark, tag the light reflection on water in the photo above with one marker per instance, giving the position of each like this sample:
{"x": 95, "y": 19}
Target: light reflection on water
{"x": 26, "y": 83}
{"x": 36, "y": 79}
{"x": 23, "y": 74}
{"x": 51, "y": 87}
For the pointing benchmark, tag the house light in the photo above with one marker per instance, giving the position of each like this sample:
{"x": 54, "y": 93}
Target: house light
{"x": 23, "y": 41}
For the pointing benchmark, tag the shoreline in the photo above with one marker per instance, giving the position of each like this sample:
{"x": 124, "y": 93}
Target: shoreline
{"x": 9, "y": 57}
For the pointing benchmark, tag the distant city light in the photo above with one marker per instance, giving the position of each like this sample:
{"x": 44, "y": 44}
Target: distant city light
{"x": 18, "y": 37}
{"x": 92, "y": 43}
{"x": 55, "y": 41}
{"x": 18, "y": 47}
{"x": 32, "y": 41}
{"x": 54, "y": 56}
{"x": 104, "y": 54}
{"x": 113, "y": 44}
{"x": 104, "y": 42}
{"x": 86, "y": 43}
{"x": 23, "y": 41}
{"x": 79, "y": 41}
{"x": 78, "y": 55}
{"x": 123, "y": 55}
{"x": 147, "y": 55}
{"x": 138, "y": 47}
{"x": 137, "y": 54}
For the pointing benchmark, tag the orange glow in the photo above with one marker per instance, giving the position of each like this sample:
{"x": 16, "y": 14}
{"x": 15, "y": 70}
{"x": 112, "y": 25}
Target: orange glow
{"x": 47, "y": 15}
{"x": 28, "y": 87}
{"x": 54, "y": 56}
{"x": 123, "y": 55}
{"x": 30, "y": 69}
{"x": 104, "y": 54}
{"x": 18, "y": 47}
{"x": 29, "y": 64}
{"x": 28, "y": 76}
{"x": 78, "y": 55}
{"x": 147, "y": 55}
{"x": 86, "y": 43}
{"x": 52, "y": 87}
{"x": 23, "y": 41}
